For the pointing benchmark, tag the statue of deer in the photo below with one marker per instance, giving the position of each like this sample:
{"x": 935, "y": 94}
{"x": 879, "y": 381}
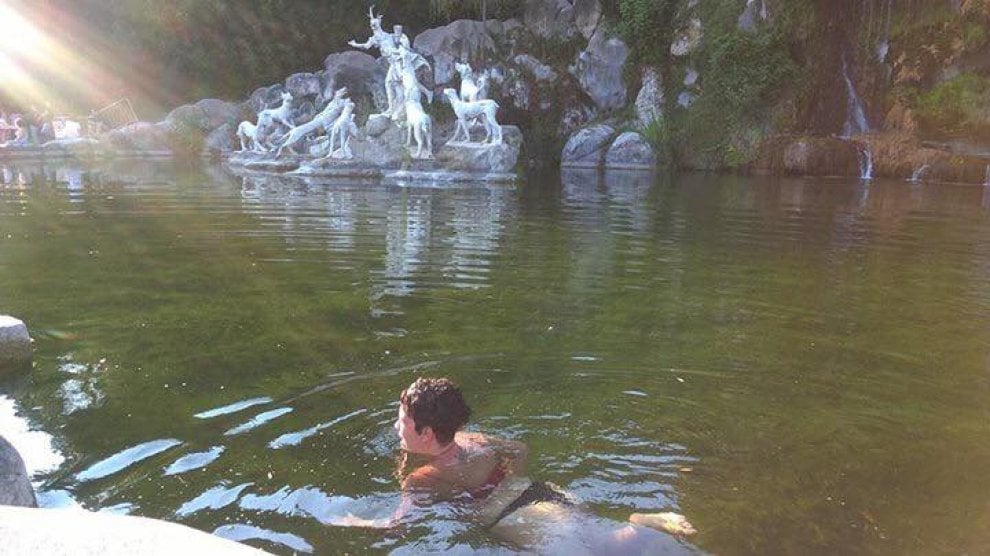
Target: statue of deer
{"x": 248, "y": 134}
{"x": 472, "y": 87}
{"x": 466, "y": 111}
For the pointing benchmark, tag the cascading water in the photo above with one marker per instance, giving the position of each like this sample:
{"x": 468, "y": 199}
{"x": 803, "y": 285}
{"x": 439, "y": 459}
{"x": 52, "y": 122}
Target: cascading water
{"x": 865, "y": 163}
{"x": 986, "y": 177}
{"x": 916, "y": 176}
{"x": 856, "y": 122}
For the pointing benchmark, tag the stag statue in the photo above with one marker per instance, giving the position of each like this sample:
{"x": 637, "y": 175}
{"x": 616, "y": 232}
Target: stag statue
{"x": 389, "y": 44}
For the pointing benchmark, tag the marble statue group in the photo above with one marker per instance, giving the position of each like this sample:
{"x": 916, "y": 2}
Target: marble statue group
{"x": 334, "y": 125}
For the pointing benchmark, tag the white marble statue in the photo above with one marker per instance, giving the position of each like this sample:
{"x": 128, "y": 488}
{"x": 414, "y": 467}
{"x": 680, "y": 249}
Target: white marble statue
{"x": 388, "y": 44}
{"x": 281, "y": 114}
{"x": 466, "y": 111}
{"x": 408, "y": 64}
{"x": 473, "y": 87}
{"x": 248, "y": 135}
{"x": 324, "y": 120}
{"x": 341, "y": 132}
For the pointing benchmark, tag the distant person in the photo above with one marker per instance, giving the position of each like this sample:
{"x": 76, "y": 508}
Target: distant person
{"x": 491, "y": 474}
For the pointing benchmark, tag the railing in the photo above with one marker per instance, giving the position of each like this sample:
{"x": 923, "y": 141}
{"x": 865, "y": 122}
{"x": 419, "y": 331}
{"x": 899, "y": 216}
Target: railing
{"x": 116, "y": 114}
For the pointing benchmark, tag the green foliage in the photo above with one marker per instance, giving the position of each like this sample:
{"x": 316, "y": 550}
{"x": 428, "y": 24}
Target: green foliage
{"x": 443, "y": 11}
{"x": 958, "y": 106}
{"x": 647, "y": 26}
{"x": 659, "y": 134}
{"x": 743, "y": 75}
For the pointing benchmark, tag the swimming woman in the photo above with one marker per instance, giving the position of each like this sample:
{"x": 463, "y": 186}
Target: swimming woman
{"x": 491, "y": 473}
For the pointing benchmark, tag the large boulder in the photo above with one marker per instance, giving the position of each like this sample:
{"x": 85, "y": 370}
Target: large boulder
{"x": 586, "y": 148}
{"x": 649, "y": 101}
{"x": 460, "y": 41}
{"x": 539, "y": 71}
{"x": 486, "y": 158}
{"x": 205, "y": 115}
{"x": 587, "y": 15}
{"x": 304, "y": 85}
{"x": 362, "y": 74}
{"x": 141, "y": 136}
{"x": 222, "y": 140}
{"x": 688, "y": 39}
{"x": 630, "y": 150}
{"x": 550, "y": 19}
{"x": 62, "y": 532}
{"x": 263, "y": 98}
{"x": 599, "y": 70}
{"x": 15, "y": 485}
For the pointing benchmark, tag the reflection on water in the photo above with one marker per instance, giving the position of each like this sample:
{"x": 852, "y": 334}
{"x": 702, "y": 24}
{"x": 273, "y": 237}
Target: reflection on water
{"x": 793, "y": 364}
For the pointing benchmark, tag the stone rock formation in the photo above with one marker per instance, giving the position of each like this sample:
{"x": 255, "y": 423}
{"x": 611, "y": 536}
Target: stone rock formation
{"x": 15, "y": 485}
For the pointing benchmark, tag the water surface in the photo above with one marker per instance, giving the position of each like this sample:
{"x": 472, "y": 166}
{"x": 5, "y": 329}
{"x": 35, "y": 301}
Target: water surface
{"x": 799, "y": 366}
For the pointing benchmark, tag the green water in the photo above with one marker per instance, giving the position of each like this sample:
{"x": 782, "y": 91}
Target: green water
{"x": 798, "y": 366}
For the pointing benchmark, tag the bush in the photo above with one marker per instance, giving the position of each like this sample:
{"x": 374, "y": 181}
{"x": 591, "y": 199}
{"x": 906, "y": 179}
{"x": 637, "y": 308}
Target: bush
{"x": 955, "y": 107}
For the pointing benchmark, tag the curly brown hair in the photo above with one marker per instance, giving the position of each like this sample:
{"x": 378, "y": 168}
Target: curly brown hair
{"x": 436, "y": 403}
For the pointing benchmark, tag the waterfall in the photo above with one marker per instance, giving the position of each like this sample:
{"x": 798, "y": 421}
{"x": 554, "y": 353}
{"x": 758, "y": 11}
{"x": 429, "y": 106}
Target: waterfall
{"x": 883, "y": 48}
{"x": 865, "y": 162}
{"x": 855, "y": 115}
{"x": 916, "y": 176}
{"x": 986, "y": 177}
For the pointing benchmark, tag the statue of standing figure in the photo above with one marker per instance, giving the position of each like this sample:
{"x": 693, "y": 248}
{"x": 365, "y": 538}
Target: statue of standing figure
{"x": 389, "y": 44}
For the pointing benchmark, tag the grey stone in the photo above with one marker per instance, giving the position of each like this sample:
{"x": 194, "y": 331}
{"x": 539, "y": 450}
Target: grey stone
{"x": 77, "y": 147}
{"x": 205, "y": 115}
{"x": 362, "y": 74}
{"x": 690, "y": 78}
{"x": 540, "y": 71}
{"x": 587, "y": 146}
{"x": 688, "y": 39}
{"x": 630, "y": 150}
{"x": 304, "y": 85}
{"x": 59, "y": 532}
{"x": 377, "y": 124}
{"x": 599, "y": 70}
{"x": 482, "y": 157}
{"x": 142, "y": 136}
{"x": 649, "y": 101}
{"x": 587, "y": 14}
{"x": 550, "y": 19}
{"x": 462, "y": 40}
{"x": 263, "y": 98}
{"x": 753, "y": 14}
{"x": 221, "y": 139}
{"x": 685, "y": 99}
{"x": 15, "y": 485}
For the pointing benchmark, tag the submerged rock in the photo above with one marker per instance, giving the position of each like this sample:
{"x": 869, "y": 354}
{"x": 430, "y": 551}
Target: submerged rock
{"x": 15, "y": 485}
{"x": 586, "y": 148}
{"x": 15, "y": 343}
{"x": 630, "y": 150}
